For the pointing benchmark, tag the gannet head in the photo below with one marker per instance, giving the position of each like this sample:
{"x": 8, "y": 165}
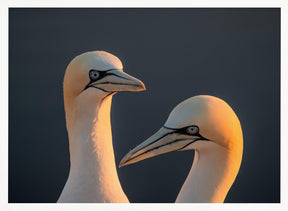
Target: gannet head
{"x": 97, "y": 74}
{"x": 200, "y": 123}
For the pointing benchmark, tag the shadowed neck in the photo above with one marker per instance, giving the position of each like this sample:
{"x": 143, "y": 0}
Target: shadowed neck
{"x": 93, "y": 176}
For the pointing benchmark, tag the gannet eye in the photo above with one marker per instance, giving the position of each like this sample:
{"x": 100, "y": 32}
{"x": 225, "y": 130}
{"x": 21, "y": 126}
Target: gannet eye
{"x": 94, "y": 74}
{"x": 192, "y": 130}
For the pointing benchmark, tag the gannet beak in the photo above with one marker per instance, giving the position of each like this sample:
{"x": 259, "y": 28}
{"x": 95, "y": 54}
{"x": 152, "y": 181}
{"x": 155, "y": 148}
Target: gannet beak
{"x": 117, "y": 80}
{"x": 165, "y": 140}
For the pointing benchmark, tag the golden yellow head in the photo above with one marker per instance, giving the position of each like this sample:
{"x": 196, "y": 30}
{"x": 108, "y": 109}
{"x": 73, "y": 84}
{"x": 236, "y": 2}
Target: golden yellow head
{"x": 215, "y": 119}
{"x": 199, "y": 123}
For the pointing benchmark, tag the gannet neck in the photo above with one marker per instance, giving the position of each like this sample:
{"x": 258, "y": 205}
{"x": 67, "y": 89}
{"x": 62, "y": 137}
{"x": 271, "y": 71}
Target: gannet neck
{"x": 93, "y": 176}
{"x": 211, "y": 176}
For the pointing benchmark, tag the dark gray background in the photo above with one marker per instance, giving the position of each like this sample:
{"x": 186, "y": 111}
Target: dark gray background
{"x": 233, "y": 54}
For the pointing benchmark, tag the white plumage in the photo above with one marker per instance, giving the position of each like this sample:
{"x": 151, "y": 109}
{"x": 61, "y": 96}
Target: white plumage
{"x": 209, "y": 126}
{"x": 89, "y": 83}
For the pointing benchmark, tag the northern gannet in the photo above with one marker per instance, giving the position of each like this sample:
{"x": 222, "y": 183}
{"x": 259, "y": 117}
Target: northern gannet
{"x": 209, "y": 126}
{"x": 90, "y": 81}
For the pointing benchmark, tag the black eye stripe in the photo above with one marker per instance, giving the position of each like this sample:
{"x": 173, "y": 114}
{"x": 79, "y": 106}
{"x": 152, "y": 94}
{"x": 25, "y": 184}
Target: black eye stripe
{"x": 184, "y": 132}
{"x": 102, "y": 74}
{"x": 184, "y": 129}
{"x": 92, "y": 72}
